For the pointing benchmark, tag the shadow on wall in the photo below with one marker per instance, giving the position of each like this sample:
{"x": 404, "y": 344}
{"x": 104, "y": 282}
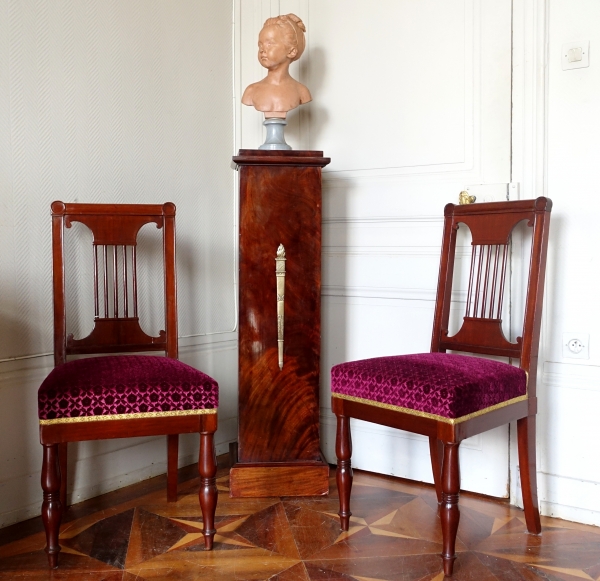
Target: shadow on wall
{"x": 312, "y": 116}
{"x": 548, "y": 411}
{"x": 197, "y": 304}
{"x": 335, "y": 311}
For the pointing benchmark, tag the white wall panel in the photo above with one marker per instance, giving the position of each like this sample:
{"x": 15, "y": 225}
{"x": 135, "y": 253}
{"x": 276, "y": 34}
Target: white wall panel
{"x": 377, "y": 72}
{"x": 569, "y": 405}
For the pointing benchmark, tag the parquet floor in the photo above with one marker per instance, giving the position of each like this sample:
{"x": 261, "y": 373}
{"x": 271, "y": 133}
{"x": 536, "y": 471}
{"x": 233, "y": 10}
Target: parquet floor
{"x": 134, "y": 535}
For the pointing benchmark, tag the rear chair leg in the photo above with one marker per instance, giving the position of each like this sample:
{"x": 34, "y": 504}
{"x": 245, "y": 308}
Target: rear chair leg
{"x": 343, "y": 475}
{"x": 172, "y": 466}
{"x": 62, "y": 459}
{"x": 51, "y": 506}
{"x": 450, "y": 514}
{"x": 527, "y": 469}
{"x": 208, "y": 486}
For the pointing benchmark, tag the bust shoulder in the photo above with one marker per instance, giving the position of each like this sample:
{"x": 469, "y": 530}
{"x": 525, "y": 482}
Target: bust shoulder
{"x": 247, "y": 97}
{"x": 304, "y": 93}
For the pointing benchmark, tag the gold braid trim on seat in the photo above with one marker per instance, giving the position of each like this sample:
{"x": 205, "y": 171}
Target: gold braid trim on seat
{"x": 127, "y": 416}
{"x": 452, "y": 421}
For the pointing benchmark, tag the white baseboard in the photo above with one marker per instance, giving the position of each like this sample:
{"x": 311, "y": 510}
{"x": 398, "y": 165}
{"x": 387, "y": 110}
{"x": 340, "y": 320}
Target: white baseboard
{"x": 569, "y": 498}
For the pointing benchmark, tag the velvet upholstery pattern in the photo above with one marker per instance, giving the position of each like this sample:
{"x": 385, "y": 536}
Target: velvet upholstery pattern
{"x": 122, "y": 385}
{"x": 441, "y": 384}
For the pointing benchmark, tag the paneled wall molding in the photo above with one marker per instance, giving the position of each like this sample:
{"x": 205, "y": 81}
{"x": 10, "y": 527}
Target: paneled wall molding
{"x": 529, "y": 95}
{"x": 401, "y": 294}
{"x": 225, "y": 340}
{"x": 567, "y": 376}
{"x": 30, "y": 370}
{"x": 391, "y": 176}
{"x": 462, "y": 158}
{"x": 389, "y": 251}
{"x": 375, "y": 281}
{"x": 382, "y": 220}
{"x": 569, "y": 498}
{"x": 437, "y": 172}
{"x": 382, "y": 250}
{"x": 43, "y": 362}
{"x": 378, "y": 293}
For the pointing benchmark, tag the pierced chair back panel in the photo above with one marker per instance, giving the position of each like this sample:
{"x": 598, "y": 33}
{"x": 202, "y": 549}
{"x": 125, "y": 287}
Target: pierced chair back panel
{"x": 114, "y": 263}
{"x": 491, "y": 227}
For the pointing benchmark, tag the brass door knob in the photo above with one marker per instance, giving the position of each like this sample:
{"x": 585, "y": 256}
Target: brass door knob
{"x": 465, "y": 198}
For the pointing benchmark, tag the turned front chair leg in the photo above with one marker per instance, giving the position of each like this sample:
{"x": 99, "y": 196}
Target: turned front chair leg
{"x": 172, "y": 466}
{"x": 527, "y": 469}
{"x": 208, "y": 486}
{"x": 450, "y": 513}
{"x": 51, "y": 505}
{"x": 343, "y": 475}
{"x": 436, "y": 451}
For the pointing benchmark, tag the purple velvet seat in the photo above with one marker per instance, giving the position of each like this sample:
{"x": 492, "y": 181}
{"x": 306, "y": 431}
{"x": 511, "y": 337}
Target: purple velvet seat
{"x": 438, "y": 384}
{"x": 124, "y": 386}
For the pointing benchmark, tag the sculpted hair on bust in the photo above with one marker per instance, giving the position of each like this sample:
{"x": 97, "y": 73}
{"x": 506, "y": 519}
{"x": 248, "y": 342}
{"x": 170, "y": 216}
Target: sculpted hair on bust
{"x": 294, "y": 30}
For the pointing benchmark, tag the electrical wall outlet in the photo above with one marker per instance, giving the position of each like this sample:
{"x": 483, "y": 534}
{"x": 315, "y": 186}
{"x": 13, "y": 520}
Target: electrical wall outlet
{"x": 576, "y": 346}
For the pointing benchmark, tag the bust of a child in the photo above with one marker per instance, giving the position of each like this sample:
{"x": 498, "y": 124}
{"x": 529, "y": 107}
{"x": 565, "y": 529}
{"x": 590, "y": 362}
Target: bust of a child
{"x": 280, "y": 42}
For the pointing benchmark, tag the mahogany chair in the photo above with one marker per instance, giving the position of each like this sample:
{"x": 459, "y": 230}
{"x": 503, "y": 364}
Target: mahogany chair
{"x": 449, "y": 397}
{"x": 124, "y": 394}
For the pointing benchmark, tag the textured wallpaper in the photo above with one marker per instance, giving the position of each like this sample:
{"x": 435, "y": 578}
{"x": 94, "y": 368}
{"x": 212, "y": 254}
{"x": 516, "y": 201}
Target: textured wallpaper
{"x": 115, "y": 101}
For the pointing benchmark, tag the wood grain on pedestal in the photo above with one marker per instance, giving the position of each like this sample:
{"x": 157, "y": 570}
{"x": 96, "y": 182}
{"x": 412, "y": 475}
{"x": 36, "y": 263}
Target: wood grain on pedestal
{"x": 280, "y": 203}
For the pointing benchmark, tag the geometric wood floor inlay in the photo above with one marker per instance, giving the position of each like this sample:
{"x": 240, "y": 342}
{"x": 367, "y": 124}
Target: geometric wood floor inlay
{"x": 394, "y": 536}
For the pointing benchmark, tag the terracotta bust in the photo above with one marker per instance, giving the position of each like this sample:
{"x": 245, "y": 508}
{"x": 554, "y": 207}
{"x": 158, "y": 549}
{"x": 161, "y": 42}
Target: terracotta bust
{"x": 280, "y": 42}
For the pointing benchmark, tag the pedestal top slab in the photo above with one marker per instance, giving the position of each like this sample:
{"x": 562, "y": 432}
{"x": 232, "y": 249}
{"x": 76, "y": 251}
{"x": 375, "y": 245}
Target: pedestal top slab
{"x": 294, "y": 157}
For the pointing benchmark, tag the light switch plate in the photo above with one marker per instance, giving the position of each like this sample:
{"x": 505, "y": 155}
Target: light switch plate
{"x": 572, "y": 51}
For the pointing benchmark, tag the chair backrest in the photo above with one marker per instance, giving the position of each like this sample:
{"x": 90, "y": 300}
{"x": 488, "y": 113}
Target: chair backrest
{"x": 491, "y": 226}
{"x": 114, "y": 230}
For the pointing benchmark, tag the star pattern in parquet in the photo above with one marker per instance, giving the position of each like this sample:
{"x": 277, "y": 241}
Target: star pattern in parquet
{"x": 394, "y": 536}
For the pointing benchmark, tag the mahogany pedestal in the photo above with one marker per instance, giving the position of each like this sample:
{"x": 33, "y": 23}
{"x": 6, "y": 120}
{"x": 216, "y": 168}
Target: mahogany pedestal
{"x": 278, "y": 435}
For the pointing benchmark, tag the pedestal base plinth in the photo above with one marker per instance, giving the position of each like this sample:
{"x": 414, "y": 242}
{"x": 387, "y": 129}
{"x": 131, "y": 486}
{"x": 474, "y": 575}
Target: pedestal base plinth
{"x": 279, "y": 479}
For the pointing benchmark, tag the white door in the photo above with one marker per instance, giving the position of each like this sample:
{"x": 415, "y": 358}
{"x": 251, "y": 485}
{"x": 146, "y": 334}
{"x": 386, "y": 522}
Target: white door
{"x": 412, "y": 102}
